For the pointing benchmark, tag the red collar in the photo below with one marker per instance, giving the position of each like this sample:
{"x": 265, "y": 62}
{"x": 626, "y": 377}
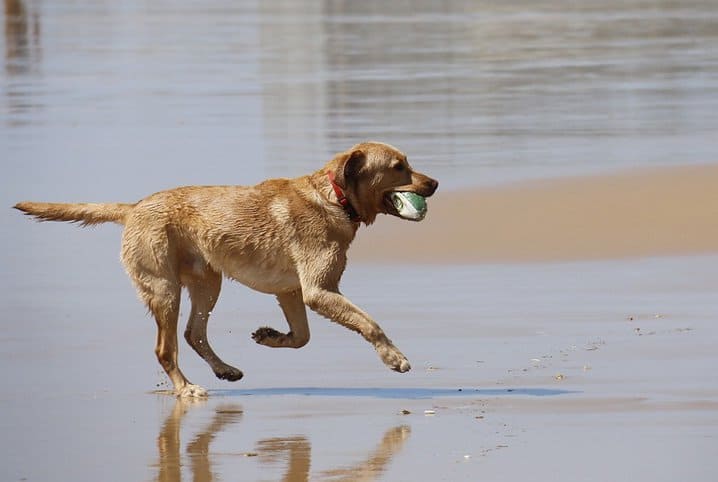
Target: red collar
{"x": 343, "y": 200}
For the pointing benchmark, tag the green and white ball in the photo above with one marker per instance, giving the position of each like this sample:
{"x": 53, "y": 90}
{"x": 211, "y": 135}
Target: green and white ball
{"x": 409, "y": 205}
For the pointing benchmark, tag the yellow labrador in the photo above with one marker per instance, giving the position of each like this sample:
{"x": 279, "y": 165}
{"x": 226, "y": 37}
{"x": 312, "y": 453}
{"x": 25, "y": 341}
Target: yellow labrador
{"x": 287, "y": 237}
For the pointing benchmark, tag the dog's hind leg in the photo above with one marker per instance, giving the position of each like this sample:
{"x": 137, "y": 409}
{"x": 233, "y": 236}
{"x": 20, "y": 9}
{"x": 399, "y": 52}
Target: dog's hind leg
{"x": 163, "y": 299}
{"x": 295, "y": 312}
{"x": 203, "y": 292}
{"x": 150, "y": 261}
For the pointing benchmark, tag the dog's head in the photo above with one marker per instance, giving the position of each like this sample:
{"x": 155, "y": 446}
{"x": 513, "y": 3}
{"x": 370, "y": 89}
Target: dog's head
{"x": 370, "y": 172}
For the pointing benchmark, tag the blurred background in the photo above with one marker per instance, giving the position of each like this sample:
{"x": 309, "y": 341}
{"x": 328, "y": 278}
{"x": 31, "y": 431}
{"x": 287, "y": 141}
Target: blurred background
{"x": 109, "y": 100}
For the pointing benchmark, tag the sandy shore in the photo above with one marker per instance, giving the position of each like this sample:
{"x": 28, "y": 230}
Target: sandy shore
{"x": 647, "y": 212}
{"x": 600, "y": 369}
{"x": 560, "y": 330}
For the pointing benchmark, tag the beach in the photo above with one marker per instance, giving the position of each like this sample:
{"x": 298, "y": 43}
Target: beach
{"x": 560, "y": 364}
{"x": 561, "y": 367}
{"x": 557, "y": 304}
{"x": 634, "y": 213}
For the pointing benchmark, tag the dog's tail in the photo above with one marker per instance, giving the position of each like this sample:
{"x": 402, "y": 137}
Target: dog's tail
{"x": 87, "y": 214}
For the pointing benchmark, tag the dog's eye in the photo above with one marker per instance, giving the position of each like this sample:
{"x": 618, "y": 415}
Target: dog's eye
{"x": 399, "y": 166}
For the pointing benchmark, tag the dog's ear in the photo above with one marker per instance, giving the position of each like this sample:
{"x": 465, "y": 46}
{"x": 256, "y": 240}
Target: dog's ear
{"x": 350, "y": 164}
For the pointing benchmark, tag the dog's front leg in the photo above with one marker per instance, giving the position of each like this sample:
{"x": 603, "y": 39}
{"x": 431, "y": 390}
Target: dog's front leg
{"x": 333, "y": 305}
{"x": 296, "y": 315}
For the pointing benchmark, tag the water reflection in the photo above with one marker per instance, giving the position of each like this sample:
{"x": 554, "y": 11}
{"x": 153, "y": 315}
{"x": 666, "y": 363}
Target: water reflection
{"x": 471, "y": 90}
{"x": 22, "y": 54}
{"x": 293, "y": 452}
{"x": 466, "y": 84}
{"x": 169, "y": 442}
{"x": 376, "y": 462}
{"x": 22, "y": 36}
{"x": 296, "y": 451}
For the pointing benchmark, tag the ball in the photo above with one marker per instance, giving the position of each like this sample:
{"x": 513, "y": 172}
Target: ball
{"x": 409, "y": 205}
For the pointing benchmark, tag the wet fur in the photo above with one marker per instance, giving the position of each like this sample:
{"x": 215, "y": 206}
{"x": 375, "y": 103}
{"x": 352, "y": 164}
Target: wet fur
{"x": 287, "y": 237}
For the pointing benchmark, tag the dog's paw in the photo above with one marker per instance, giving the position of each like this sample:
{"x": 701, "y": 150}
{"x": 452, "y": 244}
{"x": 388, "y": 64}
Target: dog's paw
{"x": 192, "y": 391}
{"x": 266, "y": 333}
{"x": 229, "y": 373}
{"x": 402, "y": 366}
{"x": 394, "y": 359}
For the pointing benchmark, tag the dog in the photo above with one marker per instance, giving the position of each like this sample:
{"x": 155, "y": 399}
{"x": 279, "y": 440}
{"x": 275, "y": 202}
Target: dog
{"x": 286, "y": 237}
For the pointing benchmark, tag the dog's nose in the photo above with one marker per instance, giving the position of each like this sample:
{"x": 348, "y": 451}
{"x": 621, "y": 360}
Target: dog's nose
{"x": 434, "y": 184}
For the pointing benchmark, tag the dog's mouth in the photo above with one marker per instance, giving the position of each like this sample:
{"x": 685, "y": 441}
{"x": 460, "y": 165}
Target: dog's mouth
{"x": 405, "y": 205}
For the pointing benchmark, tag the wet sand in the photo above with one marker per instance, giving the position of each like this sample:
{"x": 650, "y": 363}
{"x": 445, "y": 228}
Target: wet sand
{"x": 643, "y": 212}
{"x": 525, "y": 360}
{"x": 561, "y": 329}
{"x": 543, "y": 368}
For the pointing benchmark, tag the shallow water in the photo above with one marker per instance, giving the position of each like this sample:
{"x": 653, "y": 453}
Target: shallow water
{"x": 159, "y": 94}
{"x": 396, "y": 393}
{"x": 115, "y": 100}
{"x": 79, "y": 372}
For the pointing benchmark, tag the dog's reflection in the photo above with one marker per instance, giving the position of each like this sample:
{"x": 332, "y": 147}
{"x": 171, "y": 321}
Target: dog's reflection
{"x": 295, "y": 450}
{"x": 375, "y": 463}
{"x": 168, "y": 441}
